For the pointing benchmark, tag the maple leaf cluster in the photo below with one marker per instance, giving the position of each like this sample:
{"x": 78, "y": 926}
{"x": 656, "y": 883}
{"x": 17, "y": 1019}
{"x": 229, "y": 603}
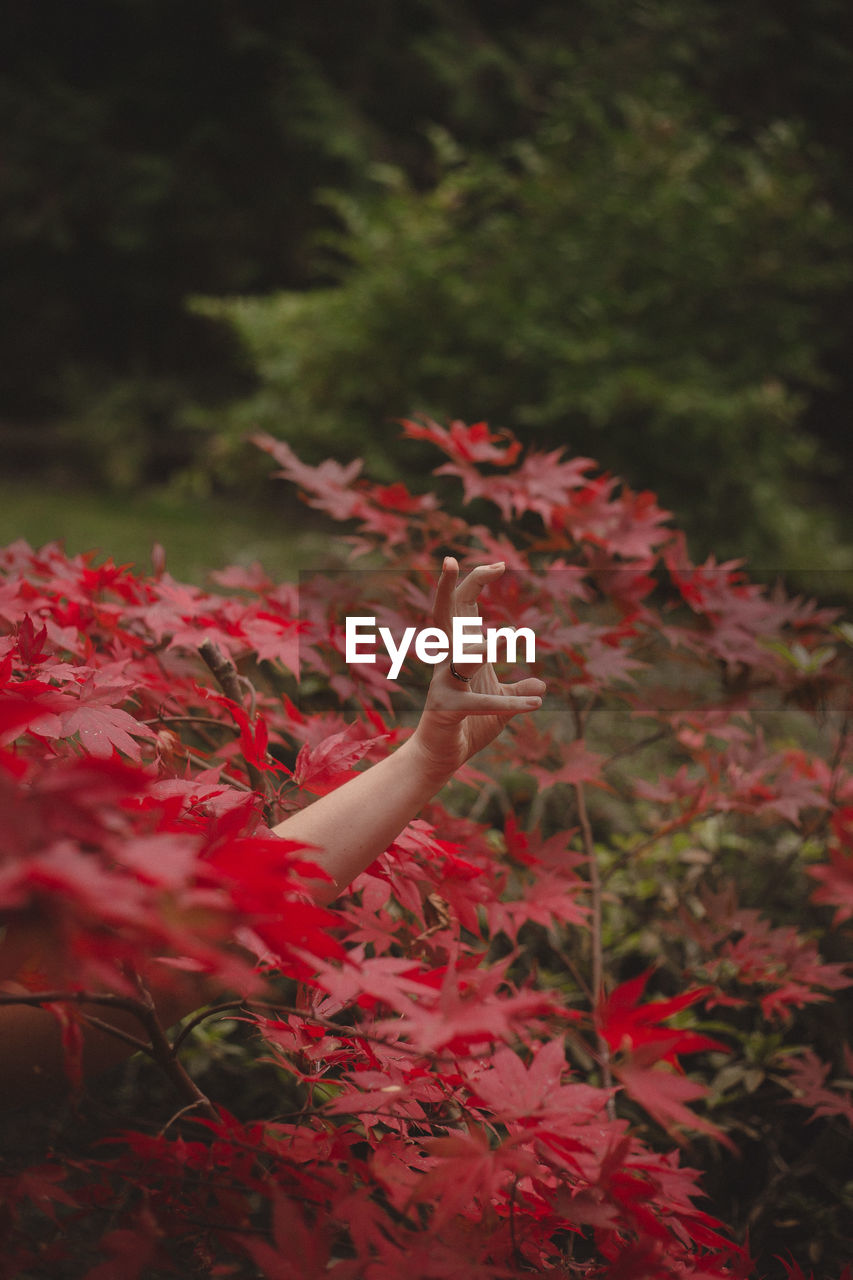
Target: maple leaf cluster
{"x": 506, "y": 1046}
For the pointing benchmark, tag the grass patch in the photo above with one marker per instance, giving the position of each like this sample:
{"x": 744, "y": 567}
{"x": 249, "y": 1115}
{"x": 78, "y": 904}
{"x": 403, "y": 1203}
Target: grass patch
{"x": 198, "y": 534}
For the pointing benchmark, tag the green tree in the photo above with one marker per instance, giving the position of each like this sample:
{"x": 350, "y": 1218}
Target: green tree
{"x": 633, "y": 280}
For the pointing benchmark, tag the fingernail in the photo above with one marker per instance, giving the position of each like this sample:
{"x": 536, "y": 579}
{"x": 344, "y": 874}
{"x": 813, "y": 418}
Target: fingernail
{"x": 533, "y": 702}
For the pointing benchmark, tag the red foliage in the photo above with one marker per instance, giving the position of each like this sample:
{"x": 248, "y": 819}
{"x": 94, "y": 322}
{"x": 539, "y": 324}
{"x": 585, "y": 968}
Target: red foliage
{"x": 470, "y": 1105}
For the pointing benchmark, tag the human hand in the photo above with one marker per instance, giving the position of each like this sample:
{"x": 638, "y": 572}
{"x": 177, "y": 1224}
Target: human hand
{"x": 461, "y": 716}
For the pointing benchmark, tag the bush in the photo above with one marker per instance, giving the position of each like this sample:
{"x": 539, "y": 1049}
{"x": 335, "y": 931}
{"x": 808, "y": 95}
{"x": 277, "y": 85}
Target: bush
{"x": 631, "y": 280}
{"x": 489, "y": 1057}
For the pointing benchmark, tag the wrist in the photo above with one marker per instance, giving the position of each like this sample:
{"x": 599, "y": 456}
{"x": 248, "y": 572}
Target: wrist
{"x": 433, "y": 769}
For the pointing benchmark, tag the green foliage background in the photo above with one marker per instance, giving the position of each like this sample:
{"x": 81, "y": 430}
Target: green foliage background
{"x": 625, "y": 227}
{"x": 625, "y": 281}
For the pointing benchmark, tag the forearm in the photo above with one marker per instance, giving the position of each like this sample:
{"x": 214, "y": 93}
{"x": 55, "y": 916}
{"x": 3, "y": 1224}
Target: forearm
{"x": 353, "y": 825}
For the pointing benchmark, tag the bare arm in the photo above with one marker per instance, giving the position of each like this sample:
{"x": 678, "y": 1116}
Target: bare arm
{"x": 354, "y": 824}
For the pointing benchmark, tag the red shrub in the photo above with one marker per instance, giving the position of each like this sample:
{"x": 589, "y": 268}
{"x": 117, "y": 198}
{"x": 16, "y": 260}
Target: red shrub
{"x": 485, "y": 1086}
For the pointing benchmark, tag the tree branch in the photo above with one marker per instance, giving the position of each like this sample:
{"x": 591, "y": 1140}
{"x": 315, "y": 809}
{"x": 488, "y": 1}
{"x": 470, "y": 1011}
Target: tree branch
{"x": 234, "y": 686}
{"x": 134, "y": 1041}
{"x": 164, "y": 1054}
{"x": 145, "y": 1011}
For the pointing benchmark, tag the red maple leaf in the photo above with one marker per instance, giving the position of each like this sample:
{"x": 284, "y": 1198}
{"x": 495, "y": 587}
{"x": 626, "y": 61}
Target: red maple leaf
{"x": 33, "y": 705}
{"x": 550, "y": 897}
{"x": 323, "y": 768}
{"x": 396, "y": 497}
{"x": 577, "y": 765}
{"x": 31, "y": 642}
{"x": 663, "y": 1094}
{"x": 330, "y": 486}
{"x": 468, "y": 1009}
{"x": 466, "y": 444}
{"x": 513, "y": 1091}
{"x": 807, "y": 1076}
{"x": 541, "y": 484}
{"x": 463, "y": 1169}
{"x": 835, "y": 878}
{"x": 274, "y": 639}
{"x": 101, "y": 726}
{"x": 635, "y": 1028}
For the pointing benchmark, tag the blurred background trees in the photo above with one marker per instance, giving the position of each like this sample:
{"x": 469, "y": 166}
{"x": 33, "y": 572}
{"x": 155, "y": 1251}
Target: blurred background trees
{"x": 625, "y": 227}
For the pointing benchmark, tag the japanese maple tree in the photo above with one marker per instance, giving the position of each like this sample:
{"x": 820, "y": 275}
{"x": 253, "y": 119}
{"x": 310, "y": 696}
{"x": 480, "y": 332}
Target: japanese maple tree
{"x": 602, "y": 976}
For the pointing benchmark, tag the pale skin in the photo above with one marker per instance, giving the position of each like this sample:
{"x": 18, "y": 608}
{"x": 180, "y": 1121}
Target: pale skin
{"x": 349, "y": 828}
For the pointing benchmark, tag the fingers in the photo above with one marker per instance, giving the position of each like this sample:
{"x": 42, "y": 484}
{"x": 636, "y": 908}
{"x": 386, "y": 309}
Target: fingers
{"x": 498, "y": 704}
{"x": 442, "y": 609}
{"x": 531, "y": 685}
{"x": 506, "y": 700}
{"x": 468, "y": 591}
{"x": 453, "y": 598}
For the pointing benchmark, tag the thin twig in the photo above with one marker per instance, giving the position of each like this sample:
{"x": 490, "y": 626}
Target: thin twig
{"x": 194, "y": 758}
{"x": 75, "y": 997}
{"x": 597, "y": 942}
{"x": 337, "y": 1028}
{"x": 484, "y": 796}
{"x": 165, "y": 1058}
{"x": 835, "y": 767}
{"x": 636, "y": 746}
{"x": 677, "y": 824}
{"x": 234, "y": 686}
{"x": 535, "y": 817}
{"x": 191, "y": 1106}
{"x": 515, "y": 1253}
{"x": 203, "y": 1016}
{"x": 209, "y": 720}
{"x": 575, "y": 972}
{"x": 134, "y": 1041}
